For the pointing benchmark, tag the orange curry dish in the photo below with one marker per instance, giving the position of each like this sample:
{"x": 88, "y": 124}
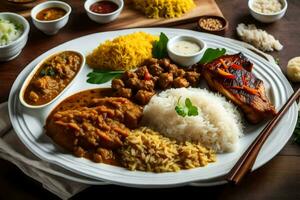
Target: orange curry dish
{"x": 52, "y": 77}
{"x": 96, "y": 127}
{"x": 50, "y": 14}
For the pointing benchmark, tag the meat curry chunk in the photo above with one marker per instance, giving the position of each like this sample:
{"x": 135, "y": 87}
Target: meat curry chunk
{"x": 155, "y": 75}
{"x": 94, "y": 130}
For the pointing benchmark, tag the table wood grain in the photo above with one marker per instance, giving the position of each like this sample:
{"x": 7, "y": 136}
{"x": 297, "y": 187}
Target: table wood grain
{"x": 278, "y": 179}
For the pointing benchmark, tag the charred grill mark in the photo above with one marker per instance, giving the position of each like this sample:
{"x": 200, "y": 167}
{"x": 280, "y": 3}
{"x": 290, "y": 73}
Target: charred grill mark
{"x": 242, "y": 77}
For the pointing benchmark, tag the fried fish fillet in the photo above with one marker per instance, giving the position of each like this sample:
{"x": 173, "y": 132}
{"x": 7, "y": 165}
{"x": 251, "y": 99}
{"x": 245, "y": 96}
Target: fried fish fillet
{"x": 232, "y": 76}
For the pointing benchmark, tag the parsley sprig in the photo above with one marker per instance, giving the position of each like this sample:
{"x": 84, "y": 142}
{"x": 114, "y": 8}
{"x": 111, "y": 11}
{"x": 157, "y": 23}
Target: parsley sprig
{"x": 212, "y": 54}
{"x": 188, "y": 109}
{"x": 99, "y": 76}
{"x": 160, "y": 47}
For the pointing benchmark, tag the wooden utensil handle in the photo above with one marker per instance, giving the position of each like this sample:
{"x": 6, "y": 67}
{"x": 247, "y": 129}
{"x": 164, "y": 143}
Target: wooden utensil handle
{"x": 247, "y": 160}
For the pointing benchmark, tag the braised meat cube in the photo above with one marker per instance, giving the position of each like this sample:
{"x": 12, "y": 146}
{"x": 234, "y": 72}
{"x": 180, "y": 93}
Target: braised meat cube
{"x": 165, "y": 80}
{"x": 46, "y": 85}
{"x": 124, "y": 92}
{"x": 180, "y": 82}
{"x": 193, "y": 78}
{"x": 117, "y": 83}
{"x": 155, "y": 69}
{"x": 133, "y": 83}
{"x": 151, "y": 61}
{"x": 146, "y": 85}
{"x": 170, "y": 67}
{"x": 143, "y": 96}
{"x": 141, "y": 72}
{"x": 128, "y": 74}
{"x": 178, "y": 72}
{"x": 33, "y": 96}
{"x": 165, "y": 62}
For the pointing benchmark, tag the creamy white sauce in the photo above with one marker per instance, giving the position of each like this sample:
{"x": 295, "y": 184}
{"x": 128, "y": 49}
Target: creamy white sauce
{"x": 186, "y": 48}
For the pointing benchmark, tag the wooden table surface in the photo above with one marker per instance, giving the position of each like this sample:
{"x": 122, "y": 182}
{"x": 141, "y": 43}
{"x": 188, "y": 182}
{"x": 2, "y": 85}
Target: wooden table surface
{"x": 278, "y": 179}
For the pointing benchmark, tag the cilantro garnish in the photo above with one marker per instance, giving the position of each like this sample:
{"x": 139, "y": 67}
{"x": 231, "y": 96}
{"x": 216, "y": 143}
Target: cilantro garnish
{"x": 188, "y": 109}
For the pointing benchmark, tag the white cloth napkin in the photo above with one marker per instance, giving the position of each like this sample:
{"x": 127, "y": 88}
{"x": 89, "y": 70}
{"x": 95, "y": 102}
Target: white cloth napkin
{"x": 13, "y": 150}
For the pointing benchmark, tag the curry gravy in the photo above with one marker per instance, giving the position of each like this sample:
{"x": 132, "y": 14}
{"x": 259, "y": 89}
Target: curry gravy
{"x": 49, "y": 14}
{"x": 93, "y": 124}
{"x": 52, "y": 77}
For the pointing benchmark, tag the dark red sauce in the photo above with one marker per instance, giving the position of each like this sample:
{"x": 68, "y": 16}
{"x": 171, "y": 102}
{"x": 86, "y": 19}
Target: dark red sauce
{"x": 104, "y": 7}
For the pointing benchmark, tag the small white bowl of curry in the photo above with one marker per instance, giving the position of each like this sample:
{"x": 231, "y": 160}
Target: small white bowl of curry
{"x": 50, "y": 16}
{"x": 50, "y": 78}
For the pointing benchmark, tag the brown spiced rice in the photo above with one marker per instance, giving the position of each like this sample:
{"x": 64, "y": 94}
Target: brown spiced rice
{"x": 147, "y": 150}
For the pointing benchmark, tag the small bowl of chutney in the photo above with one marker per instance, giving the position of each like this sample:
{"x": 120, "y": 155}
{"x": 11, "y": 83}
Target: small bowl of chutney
{"x": 103, "y": 11}
{"x": 50, "y": 16}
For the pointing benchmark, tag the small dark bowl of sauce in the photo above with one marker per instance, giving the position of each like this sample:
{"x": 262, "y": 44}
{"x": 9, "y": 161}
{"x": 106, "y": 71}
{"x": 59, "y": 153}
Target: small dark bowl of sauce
{"x": 103, "y": 11}
{"x": 104, "y": 7}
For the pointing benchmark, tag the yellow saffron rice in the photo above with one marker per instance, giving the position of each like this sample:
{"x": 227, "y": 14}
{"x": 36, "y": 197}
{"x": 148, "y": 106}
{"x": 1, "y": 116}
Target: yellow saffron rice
{"x": 164, "y": 8}
{"x": 122, "y": 53}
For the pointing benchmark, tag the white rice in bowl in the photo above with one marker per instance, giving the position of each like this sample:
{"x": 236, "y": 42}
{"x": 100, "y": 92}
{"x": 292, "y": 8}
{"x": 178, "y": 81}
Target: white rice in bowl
{"x": 9, "y": 31}
{"x": 217, "y": 126}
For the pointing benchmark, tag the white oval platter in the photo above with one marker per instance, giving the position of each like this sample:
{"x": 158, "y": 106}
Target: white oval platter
{"x": 29, "y": 123}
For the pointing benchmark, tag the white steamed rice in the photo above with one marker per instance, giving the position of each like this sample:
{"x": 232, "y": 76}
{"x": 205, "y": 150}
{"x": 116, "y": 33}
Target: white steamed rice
{"x": 217, "y": 126}
{"x": 9, "y": 31}
{"x": 258, "y": 37}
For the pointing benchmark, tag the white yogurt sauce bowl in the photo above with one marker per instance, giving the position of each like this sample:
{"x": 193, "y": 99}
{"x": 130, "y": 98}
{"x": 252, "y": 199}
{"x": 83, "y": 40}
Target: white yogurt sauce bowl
{"x": 185, "y": 50}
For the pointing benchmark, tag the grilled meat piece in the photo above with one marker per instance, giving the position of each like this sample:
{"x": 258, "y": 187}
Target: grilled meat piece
{"x": 232, "y": 76}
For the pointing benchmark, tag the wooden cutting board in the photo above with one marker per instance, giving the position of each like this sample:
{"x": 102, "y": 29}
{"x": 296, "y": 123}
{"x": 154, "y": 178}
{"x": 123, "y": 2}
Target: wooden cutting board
{"x": 131, "y": 18}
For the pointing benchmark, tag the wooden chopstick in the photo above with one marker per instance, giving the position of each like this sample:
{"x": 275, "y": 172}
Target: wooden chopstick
{"x": 246, "y": 161}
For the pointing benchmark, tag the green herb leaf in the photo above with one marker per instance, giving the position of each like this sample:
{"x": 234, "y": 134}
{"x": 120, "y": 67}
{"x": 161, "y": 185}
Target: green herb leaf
{"x": 48, "y": 71}
{"x": 180, "y": 111}
{"x": 51, "y": 72}
{"x": 212, "y": 54}
{"x": 192, "y": 110}
{"x": 277, "y": 60}
{"x": 98, "y": 76}
{"x": 160, "y": 47}
{"x": 107, "y": 71}
{"x": 43, "y": 72}
{"x": 186, "y": 110}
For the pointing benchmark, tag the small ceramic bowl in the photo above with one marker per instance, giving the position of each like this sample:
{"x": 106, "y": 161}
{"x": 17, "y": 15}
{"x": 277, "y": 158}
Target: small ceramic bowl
{"x": 185, "y": 60}
{"x": 219, "y": 31}
{"x": 13, "y": 49}
{"x": 53, "y": 26}
{"x": 268, "y": 18}
{"x": 36, "y": 68}
{"x": 103, "y": 18}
